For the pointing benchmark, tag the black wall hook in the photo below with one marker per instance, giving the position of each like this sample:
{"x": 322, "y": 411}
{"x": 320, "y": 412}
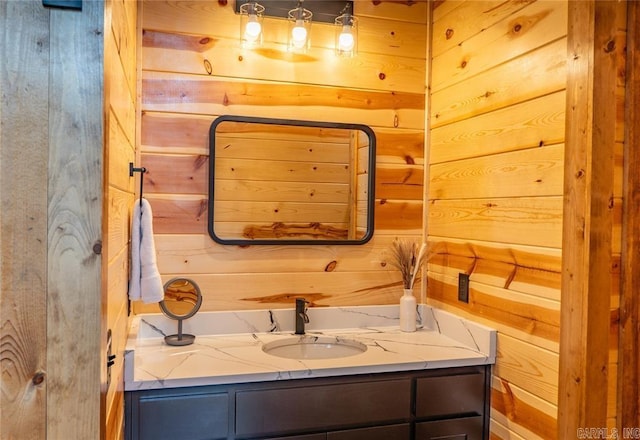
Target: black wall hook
{"x": 133, "y": 169}
{"x": 140, "y": 170}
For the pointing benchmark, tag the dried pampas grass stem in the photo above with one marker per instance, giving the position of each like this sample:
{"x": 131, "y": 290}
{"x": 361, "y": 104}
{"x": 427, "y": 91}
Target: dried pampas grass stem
{"x": 408, "y": 258}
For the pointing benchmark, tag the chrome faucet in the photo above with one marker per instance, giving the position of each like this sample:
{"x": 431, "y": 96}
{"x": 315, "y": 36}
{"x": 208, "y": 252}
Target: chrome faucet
{"x": 301, "y": 315}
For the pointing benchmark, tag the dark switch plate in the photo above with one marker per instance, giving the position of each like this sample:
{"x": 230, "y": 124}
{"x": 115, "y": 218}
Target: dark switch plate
{"x": 463, "y": 287}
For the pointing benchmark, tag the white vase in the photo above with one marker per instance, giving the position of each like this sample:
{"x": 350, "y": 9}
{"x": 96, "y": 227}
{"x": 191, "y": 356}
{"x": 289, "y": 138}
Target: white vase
{"x": 408, "y": 311}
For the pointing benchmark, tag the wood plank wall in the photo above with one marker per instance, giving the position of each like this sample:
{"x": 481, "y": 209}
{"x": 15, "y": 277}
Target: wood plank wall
{"x": 193, "y": 70}
{"x": 23, "y": 235}
{"x": 51, "y": 105}
{"x": 496, "y": 160}
{"x": 628, "y": 414}
{"x": 120, "y": 139}
{"x": 588, "y": 216}
{"x": 619, "y": 184}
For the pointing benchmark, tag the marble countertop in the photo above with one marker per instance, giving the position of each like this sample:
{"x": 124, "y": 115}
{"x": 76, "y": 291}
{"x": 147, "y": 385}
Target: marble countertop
{"x": 228, "y": 345}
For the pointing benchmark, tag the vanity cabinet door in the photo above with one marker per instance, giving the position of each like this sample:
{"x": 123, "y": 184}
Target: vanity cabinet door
{"x": 466, "y": 428}
{"x": 302, "y": 437}
{"x": 452, "y": 395}
{"x": 394, "y": 432}
{"x": 326, "y": 406}
{"x": 179, "y": 416}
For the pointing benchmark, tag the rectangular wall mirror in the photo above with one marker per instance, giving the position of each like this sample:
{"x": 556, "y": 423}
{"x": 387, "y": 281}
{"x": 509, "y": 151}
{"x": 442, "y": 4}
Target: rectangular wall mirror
{"x": 281, "y": 181}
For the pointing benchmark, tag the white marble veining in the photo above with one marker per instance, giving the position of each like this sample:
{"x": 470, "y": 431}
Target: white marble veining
{"x": 228, "y": 345}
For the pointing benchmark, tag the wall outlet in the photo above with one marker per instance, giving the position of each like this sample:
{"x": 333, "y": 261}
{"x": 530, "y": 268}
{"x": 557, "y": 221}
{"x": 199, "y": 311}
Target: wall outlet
{"x": 463, "y": 287}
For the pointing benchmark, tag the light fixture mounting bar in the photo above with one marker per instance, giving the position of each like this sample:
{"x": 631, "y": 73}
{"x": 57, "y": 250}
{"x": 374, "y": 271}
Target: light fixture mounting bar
{"x": 324, "y": 11}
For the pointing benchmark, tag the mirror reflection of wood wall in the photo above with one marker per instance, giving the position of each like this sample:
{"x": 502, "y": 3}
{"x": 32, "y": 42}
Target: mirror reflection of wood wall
{"x": 289, "y": 182}
{"x": 180, "y": 297}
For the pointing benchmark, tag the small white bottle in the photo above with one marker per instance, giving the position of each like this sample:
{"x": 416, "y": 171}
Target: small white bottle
{"x": 408, "y": 311}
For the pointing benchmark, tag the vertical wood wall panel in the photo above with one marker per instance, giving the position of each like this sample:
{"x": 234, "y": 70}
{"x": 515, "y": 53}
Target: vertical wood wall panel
{"x": 24, "y": 139}
{"x": 588, "y": 212}
{"x": 629, "y": 364}
{"x": 621, "y": 180}
{"x": 120, "y": 76}
{"x": 75, "y": 215}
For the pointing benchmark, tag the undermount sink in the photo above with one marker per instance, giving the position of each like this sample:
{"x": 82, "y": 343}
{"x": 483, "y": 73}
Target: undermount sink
{"x": 314, "y": 347}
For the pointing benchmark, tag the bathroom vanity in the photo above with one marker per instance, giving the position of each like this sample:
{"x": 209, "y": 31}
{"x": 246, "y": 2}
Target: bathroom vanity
{"x": 433, "y": 383}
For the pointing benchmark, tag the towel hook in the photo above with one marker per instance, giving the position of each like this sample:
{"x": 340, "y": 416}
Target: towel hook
{"x": 140, "y": 170}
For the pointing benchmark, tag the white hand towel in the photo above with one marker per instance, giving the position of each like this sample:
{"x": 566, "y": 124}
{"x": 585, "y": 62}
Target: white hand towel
{"x": 145, "y": 283}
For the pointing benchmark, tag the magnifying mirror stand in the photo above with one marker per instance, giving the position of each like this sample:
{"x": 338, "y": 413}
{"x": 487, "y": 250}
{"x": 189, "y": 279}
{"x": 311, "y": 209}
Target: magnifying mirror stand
{"x": 182, "y": 299}
{"x": 180, "y": 338}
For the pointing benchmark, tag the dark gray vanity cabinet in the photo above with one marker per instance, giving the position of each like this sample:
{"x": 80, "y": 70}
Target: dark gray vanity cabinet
{"x": 392, "y": 432}
{"x": 439, "y": 404}
{"x": 181, "y": 413}
{"x": 329, "y": 405}
{"x": 463, "y": 428}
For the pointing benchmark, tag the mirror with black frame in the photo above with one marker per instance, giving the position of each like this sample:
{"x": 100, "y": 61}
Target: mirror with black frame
{"x": 182, "y": 299}
{"x": 282, "y": 181}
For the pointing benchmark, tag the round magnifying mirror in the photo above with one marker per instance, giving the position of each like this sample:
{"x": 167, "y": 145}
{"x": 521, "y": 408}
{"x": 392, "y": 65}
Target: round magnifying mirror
{"x": 182, "y": 299}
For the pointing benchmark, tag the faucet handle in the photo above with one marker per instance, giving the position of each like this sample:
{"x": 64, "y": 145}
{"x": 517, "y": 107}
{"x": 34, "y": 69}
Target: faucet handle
{"x": 301, "y": 308}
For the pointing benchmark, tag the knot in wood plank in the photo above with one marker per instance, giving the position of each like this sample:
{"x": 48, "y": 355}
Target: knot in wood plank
{"x": 38, "y": 378}
{"x": 331, "y": 266}
{"x": 610, "y": 46}
{"x": 208, "y": 67}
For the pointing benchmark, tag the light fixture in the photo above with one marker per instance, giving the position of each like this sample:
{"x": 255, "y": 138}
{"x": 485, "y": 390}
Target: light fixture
{"x": 338, "y": 13}
{"x": 346, "y": 33}
{"x": 251, "y": 24}
{"x": 299, "y": 29}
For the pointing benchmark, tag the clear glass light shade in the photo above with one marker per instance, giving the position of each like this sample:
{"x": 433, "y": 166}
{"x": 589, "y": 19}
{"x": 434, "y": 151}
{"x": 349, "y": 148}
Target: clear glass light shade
{"x": 346, "y": 35}
{"x": 299, "y": 30}
{"x": 251, "y": 24}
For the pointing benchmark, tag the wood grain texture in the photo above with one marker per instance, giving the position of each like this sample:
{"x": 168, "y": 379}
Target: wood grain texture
{"x": 628, "y": 408}
{"x": 189, "y": 134}
{"x": 23, "y": 227}
{"x": 496, "y": 166}
{"x": 588, "y": 216}
{"x": 524, "y": 220}
{"x": 401, "y": 62}
{"x": 400, "y": 10}
{"x": 532, "y": 172}
{"x": 524, "y": 269}
{"x": 537, "y": 24}
{"x": 198, "y": 254}
{"x": 279, "y": 290}
{"x": 516, "y": 311}
{"x": 399, "y": 182}
{"x": 536, "y": 418}
{"x": 217, "y": 96}
{"x": 534, "y": 370}
{"x": 120, "y": 78}
{"x": 532, "y": 123}
{"x": 384, "y": 87}
{"x": 543, "y": 71}
{"x": 388, "y": 27}
{"x": 466, "y": 19}
{"x": 75, "y": 223}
